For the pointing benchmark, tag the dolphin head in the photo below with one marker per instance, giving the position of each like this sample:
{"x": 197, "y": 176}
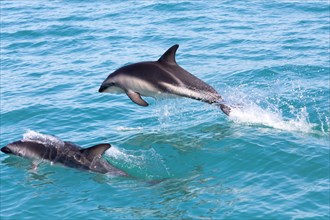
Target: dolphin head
{"x": 30, "y": 150}
{"x": 111, "y": 84}
{"x": 6, "y": 150}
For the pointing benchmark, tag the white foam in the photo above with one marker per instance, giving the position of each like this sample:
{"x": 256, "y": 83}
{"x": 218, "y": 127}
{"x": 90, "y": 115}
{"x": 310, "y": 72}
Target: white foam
{"x": 255, "y": 115}
{"x": 123, "y": 128}
{"x": 34, "y": 136}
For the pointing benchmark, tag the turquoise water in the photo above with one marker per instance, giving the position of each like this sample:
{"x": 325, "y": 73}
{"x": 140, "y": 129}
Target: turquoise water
{"x": 187, "y": 160}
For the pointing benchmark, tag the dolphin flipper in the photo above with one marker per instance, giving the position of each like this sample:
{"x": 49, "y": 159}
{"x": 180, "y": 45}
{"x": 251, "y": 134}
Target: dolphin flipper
{"x": 135, "y": 97}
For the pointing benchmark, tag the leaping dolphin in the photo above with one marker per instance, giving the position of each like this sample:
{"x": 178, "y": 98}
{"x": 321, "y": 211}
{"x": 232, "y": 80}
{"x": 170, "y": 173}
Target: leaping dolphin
{"x": 38, "y": 146}
{"x": 160, "y": 78}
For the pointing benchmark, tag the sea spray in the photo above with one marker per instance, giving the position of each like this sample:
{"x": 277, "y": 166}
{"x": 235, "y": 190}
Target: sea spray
{"x": 147, "y": 164}
{"x": 271, "y": 107}
{"x": 255, "y": 115}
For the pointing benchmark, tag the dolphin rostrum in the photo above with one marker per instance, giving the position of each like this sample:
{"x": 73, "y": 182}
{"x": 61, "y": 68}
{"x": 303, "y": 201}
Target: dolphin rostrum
{"x": 38, "y": 146}
{"x": 160, "y": 78}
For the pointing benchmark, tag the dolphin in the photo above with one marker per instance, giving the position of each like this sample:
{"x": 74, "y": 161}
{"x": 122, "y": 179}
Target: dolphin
{"x": 161, "y": 78}
{"x": 38, "y": 147}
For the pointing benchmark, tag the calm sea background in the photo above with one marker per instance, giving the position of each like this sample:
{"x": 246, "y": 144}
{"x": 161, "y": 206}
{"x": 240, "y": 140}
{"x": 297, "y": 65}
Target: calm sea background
{"x": 269, "y": 160}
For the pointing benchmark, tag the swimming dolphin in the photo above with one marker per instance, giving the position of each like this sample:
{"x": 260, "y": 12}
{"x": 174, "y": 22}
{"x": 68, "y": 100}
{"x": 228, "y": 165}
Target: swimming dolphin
{"x": 161, "y": 78}
{"x": 38, "y": 146}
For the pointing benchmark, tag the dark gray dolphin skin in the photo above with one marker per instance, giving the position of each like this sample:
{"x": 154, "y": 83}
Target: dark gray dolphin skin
{"x": 161, "y": 78}
{"x": 50, "y": 148}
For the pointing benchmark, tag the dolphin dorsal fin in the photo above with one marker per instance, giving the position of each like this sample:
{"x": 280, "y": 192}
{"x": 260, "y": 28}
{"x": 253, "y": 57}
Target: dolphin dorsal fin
{"x": 169, "y": 55}
{"x": 95, "y": 151}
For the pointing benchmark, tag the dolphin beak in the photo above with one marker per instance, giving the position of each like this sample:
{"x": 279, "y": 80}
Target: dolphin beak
{"x": 102, "y": 88}
{"x": 6, "y": 150}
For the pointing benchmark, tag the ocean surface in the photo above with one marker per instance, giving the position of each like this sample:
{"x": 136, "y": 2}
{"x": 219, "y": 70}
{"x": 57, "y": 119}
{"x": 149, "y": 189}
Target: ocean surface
{"x": 186, "y": 159}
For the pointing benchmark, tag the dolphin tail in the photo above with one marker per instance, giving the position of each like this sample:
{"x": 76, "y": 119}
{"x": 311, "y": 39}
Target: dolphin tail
{"x": 225, "y": 108}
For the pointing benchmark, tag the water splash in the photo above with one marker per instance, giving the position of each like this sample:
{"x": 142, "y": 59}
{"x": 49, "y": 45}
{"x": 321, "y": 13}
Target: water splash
{"x": 282, "y": 98}
{"x": 34, "y": 136}
{"x": 255, "y": 115}
{"x": 166, "y": 110}
{"x": 145, "y": 164}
